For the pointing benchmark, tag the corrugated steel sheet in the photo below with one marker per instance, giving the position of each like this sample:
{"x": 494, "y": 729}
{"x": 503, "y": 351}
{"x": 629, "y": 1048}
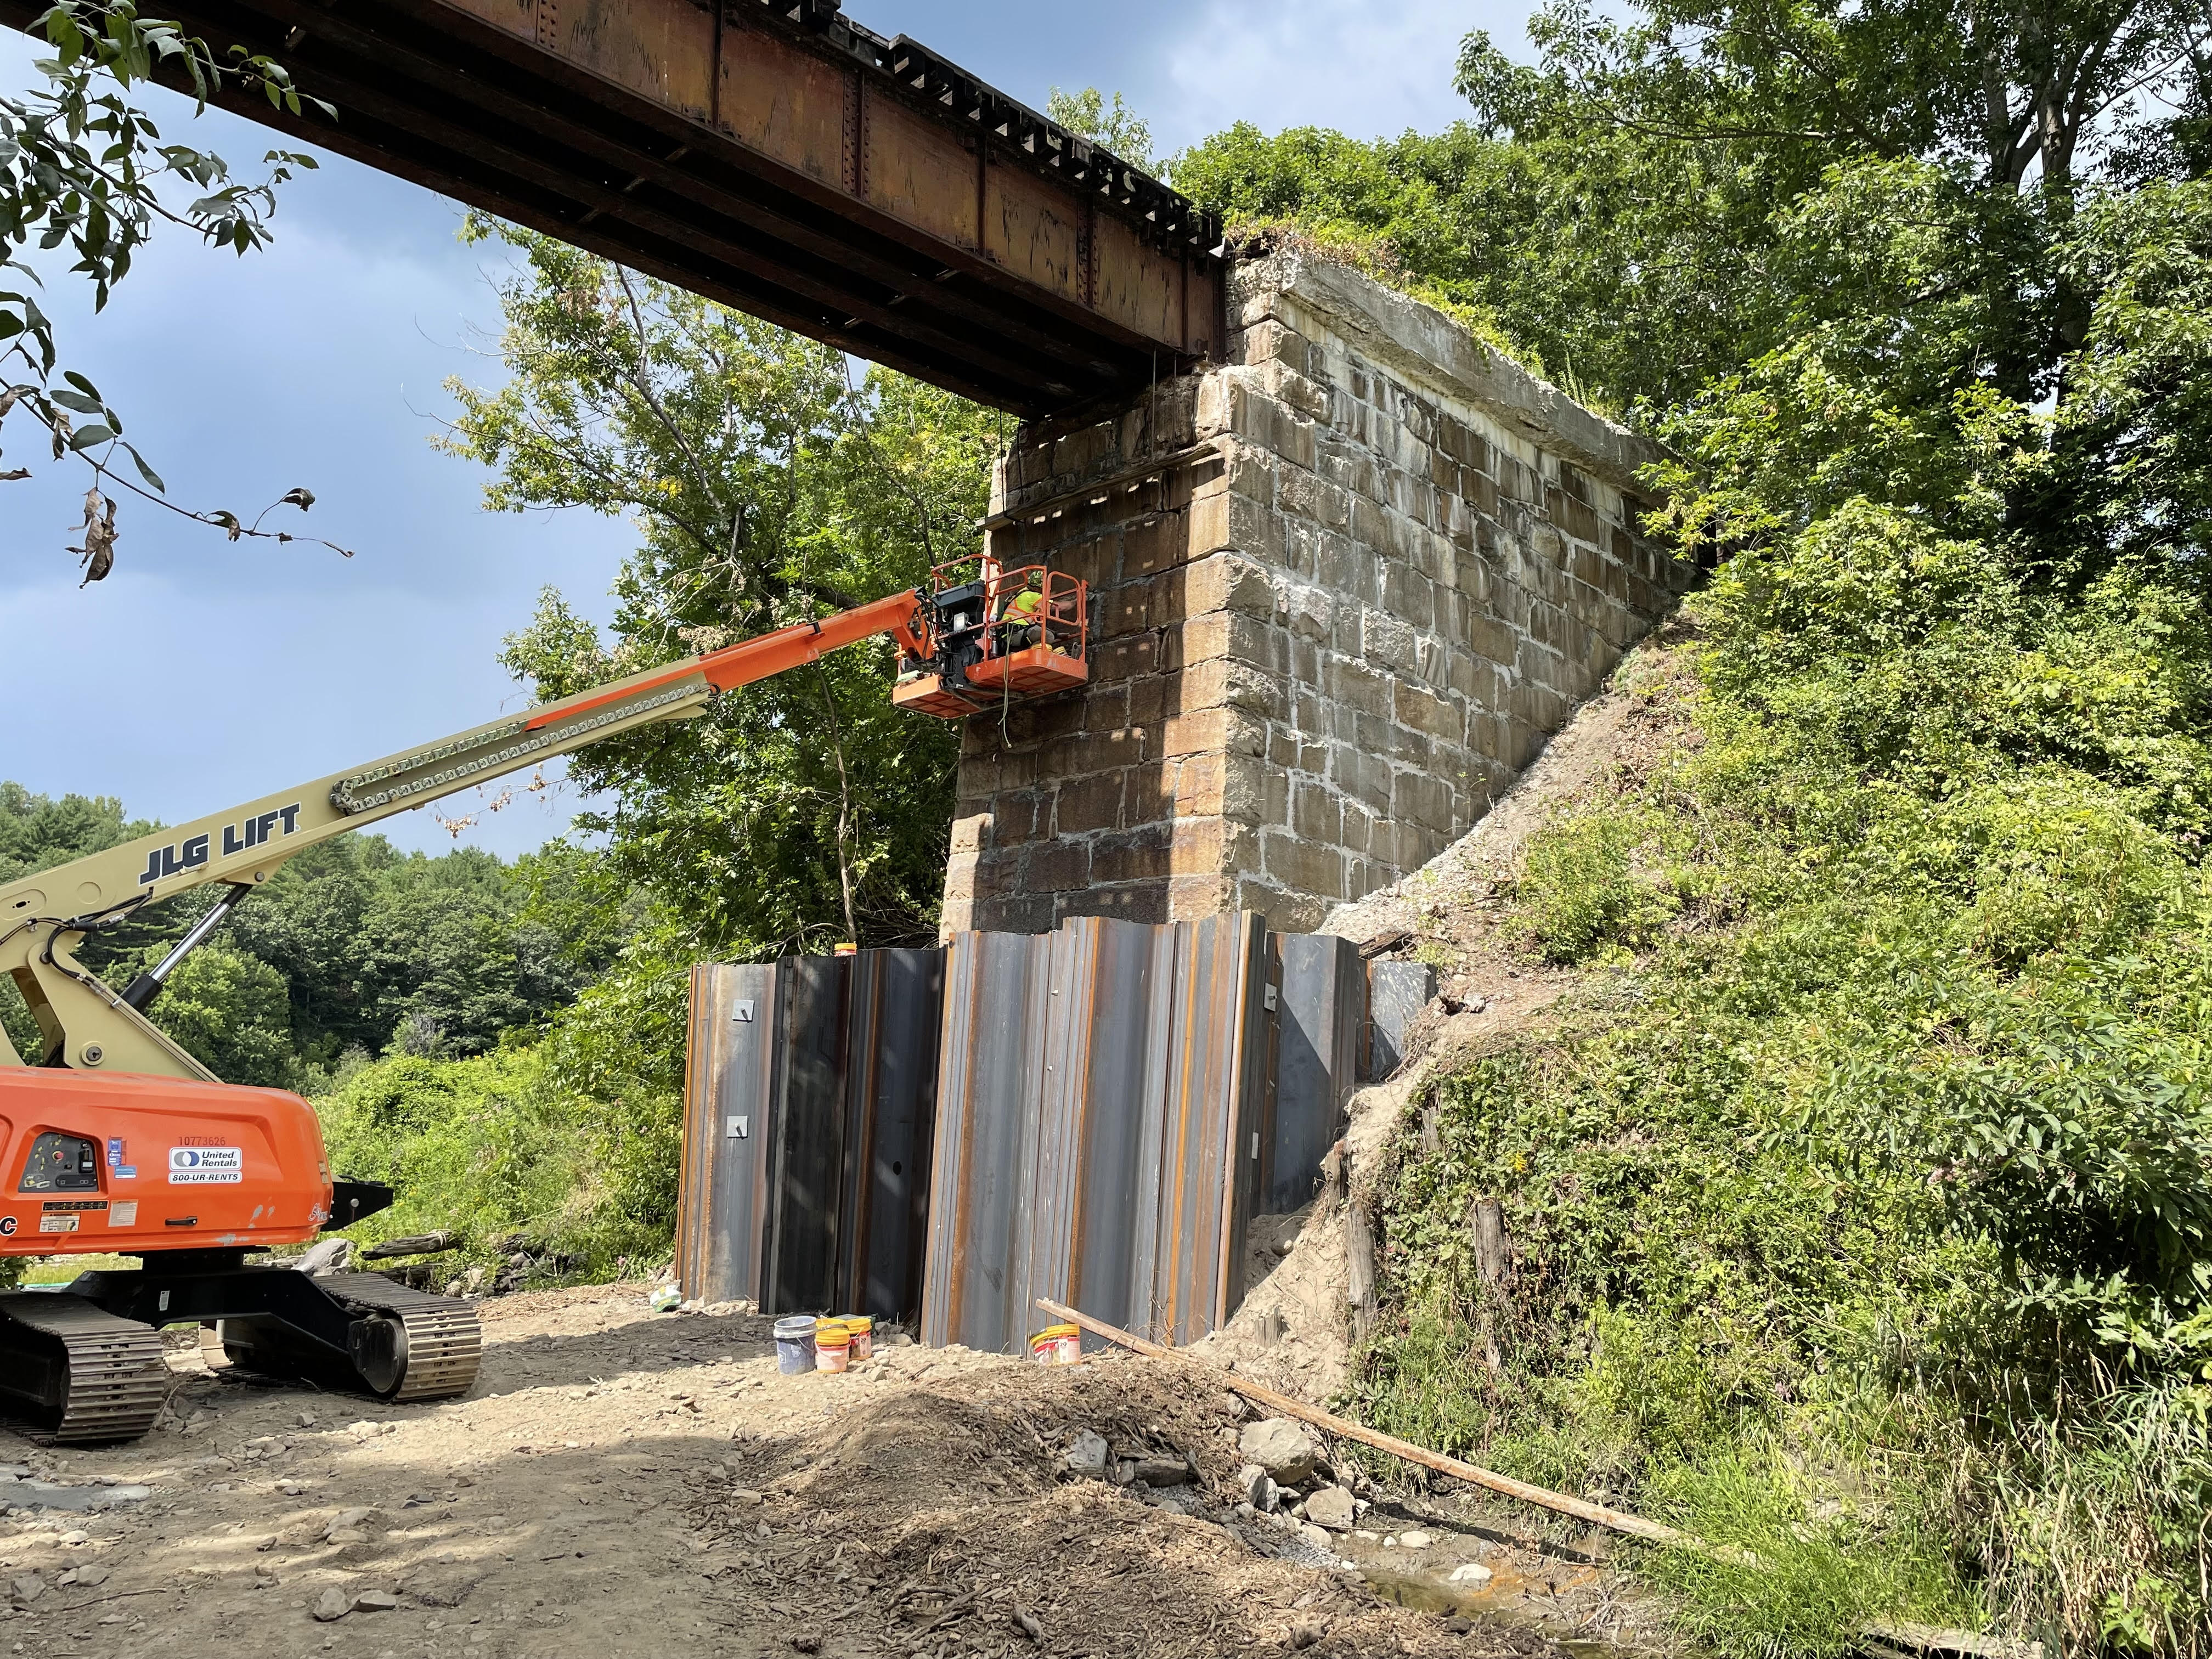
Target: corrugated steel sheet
{"x": 1091, "y": 1116}
{"x": 1324, "y": 1015}
{"x": 1097, "y": 1089}
{"x": 807, "y": 1129}
{"x": 730, "y": 1080}
{"x": 1397, "y": 992}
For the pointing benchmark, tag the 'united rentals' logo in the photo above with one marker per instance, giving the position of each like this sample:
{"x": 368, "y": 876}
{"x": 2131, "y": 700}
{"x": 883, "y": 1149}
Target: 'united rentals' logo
{"x": 180, "y": 858}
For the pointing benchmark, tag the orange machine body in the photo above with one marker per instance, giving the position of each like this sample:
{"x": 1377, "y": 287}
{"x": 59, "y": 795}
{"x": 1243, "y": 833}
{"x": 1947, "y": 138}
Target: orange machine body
{"x": 132, "y": 1165}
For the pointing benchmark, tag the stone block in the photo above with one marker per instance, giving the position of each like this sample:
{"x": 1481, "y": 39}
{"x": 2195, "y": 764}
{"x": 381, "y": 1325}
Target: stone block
{"x": 1316, "y": 812}
{"x": 1424, "y": 711}
{"x": 1193, "y": 898}
{"x": 1148, "y": 699}
{"x": 1106, "y": 708}
{"x": 971, "y": 833}
{"x": 1094, "y": 751}
{"x": 1494, "y": 640}
{"x": 1144, "y": 902}
{"x": 1086, "y": 803}
{"x": 1302, "y": 866}
{"x": 999, "y": 873}
{"x": 1141, "y": 854}
{"x": 1223, "y": 581}
{"x": 1154, "y": 542}
{"x": 1212, "y": 731}
{"x": 1270, "y": 341}
{"x": 1122, "y": 609}
{"x": 1225, "y": 682}
{"x": 1357, "y": 686}
{"x": 1020, "y": 816}
{"x": 1077, "y": 454}
{"x": 1301, "y": 395}
{"x": 1348, "y": 570}
{"x": 1387, "y": 642}
{"x": 1125, "y": 659}
{"x": 1221, "y": 635}
{"x": 1409, "y": 596}
{"x": 1017, "y": 912}
{"x": 1420, "y": 798}
{"x": 1057, "y": 866}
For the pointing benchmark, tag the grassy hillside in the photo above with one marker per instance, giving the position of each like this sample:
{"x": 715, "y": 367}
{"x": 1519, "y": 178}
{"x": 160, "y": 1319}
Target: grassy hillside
{"x": 1862, "y": 1196}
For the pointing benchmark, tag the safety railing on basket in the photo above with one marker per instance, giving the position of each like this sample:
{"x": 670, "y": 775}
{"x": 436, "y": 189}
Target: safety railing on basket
{"x": 1036, "y": 606}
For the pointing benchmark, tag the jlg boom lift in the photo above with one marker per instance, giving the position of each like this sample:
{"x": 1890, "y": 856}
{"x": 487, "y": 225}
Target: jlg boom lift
{"x": 113, "y": 1139}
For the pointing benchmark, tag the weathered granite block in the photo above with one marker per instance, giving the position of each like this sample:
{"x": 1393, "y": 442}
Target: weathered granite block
{"x": 1344, "y": 585}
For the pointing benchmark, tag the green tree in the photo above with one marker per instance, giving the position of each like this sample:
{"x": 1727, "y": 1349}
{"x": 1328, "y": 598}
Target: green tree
{"x": 767, "y": 487}
{"x": 229, "y": 1010}
{"x": 1113, "y": 124}
{"x": 36, "y": 833}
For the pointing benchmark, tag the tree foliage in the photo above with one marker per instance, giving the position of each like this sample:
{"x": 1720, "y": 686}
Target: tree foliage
{"x": 769, "y": 487}
{"x": 85, "y": 173}
{"x": 351, "y": 950}
{"x": 1881, "y": 1133}
{"x": 1123, "y": 131}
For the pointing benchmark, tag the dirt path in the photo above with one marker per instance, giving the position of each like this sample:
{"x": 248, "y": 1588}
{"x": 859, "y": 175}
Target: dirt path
{"x": 621, "y": 1484}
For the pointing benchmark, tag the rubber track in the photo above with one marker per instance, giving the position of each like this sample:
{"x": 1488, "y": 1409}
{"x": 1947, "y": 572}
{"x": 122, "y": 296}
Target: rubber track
{"x": 117, "y": 1378}
{"x": 445, "y": 1343}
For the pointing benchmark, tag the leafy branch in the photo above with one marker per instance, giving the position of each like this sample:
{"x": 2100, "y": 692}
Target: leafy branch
{"x": 83, "y": 169}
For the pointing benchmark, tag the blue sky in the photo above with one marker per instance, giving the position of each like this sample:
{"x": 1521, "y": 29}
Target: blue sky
{"x": 204, "y": 673}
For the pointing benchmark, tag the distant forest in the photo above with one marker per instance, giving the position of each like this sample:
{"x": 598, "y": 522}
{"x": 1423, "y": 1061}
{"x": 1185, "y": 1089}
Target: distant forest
{"x": 354, "y": 951}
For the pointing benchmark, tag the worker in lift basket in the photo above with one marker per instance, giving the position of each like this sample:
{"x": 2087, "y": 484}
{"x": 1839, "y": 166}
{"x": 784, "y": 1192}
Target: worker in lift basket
{"x": 1021, "y": 618}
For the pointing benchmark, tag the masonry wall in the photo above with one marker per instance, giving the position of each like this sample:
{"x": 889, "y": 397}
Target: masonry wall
{"x": 1346, "y": 587}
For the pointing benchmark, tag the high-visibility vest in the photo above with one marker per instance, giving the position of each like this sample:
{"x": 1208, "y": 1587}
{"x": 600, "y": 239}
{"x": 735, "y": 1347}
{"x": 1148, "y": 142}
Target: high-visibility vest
{"x": 1026, "y": 605}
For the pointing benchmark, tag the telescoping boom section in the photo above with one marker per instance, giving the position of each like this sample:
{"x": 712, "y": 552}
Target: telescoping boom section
{"x": 113, "y": 1139}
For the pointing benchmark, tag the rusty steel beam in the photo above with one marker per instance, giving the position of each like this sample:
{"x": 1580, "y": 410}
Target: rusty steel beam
{"x": 775, "y": 156}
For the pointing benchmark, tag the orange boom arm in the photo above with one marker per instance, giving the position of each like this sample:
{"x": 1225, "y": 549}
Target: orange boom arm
{"x": 900, "y": 616}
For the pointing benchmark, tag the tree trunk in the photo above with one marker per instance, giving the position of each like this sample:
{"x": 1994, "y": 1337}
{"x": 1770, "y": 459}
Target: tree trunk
{"x": 844, "y": 807}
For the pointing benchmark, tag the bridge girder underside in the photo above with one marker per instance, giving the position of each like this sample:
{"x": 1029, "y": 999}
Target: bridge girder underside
{"x": 770, "y": 155}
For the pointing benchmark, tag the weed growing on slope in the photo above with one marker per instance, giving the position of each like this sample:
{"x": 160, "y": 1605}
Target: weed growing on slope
{"x": 1863, "y": 1208}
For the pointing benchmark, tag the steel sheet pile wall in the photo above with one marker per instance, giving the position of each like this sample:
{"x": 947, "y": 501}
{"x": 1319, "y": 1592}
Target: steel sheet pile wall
{"x": 809, "y": 1101}
{"x": 1324, "y": 1019}
{"x": 1097, "y": 1091}
{"x": 1092, "y": 1116}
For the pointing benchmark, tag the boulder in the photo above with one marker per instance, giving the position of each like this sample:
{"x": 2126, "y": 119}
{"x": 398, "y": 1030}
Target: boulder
{"x": 1280, "y": 1448}
{"x": 1255, "y": 1487}
{"x": 1331, "y": 1507}
{"x": 1163, "y": 1471}
{"x": 1086, "y": 1457}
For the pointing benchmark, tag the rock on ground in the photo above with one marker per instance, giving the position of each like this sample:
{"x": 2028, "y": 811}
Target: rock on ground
{"x": 1280, "y": 1448}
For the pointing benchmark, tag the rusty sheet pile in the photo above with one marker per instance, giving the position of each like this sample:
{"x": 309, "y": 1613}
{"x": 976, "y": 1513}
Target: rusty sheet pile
{"x": 1091, "y": 1116}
